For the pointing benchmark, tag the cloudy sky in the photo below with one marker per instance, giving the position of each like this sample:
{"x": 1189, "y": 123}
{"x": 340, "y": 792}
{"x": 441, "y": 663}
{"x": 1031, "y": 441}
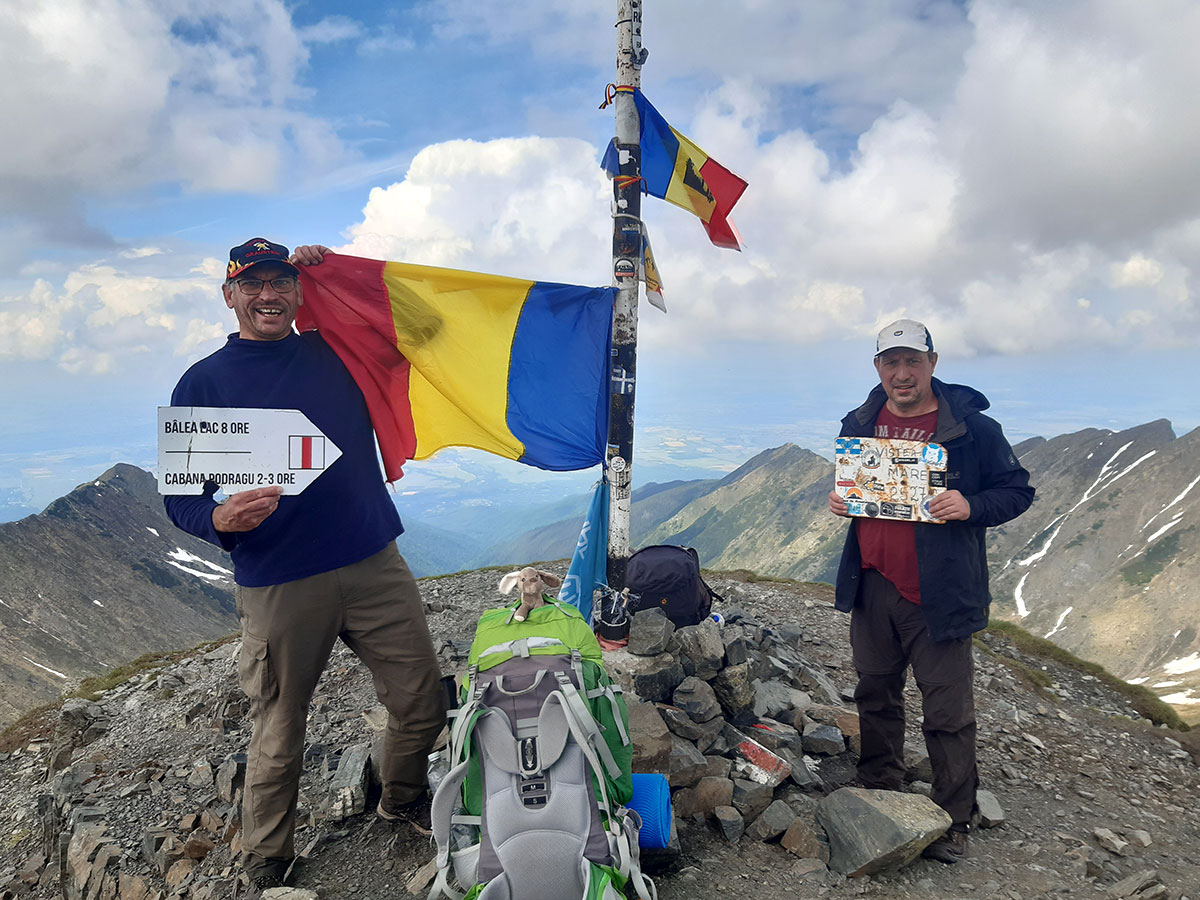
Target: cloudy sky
{"x": 1019, "y": 175}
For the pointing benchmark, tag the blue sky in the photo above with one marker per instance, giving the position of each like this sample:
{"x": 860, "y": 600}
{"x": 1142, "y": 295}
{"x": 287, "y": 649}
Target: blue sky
{"x": 1019, "y": 175}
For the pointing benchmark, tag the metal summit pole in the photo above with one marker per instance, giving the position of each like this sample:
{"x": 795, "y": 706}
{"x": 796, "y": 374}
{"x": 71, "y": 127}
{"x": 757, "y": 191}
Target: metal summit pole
{"x": 627, "y": 254}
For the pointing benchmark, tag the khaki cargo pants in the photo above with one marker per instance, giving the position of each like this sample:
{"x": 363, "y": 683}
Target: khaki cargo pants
{"x": 288, "y": 631}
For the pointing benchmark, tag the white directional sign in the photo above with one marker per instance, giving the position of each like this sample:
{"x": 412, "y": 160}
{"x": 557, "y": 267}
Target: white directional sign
{"x": 239, "y": 449}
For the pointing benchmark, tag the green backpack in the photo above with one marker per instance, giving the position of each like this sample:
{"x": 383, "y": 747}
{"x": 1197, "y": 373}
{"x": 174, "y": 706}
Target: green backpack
{"x": 533, "y": 804}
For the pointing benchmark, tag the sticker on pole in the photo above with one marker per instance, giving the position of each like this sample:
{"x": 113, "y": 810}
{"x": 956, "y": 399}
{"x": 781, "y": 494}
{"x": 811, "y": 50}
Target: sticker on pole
{"x": 239, "y": 449}
{"x": 888, "y": 478}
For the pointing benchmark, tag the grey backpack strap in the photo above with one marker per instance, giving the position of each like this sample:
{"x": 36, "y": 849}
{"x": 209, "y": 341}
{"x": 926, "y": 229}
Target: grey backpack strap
{"x": 588, "y": 729}
{"x": 445, "y": 799}
{"x": 537, "y": 679}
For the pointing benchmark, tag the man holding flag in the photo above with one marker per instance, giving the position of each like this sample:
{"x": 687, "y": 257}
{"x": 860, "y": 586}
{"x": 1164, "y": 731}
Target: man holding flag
{"x": 419, "y": 358}
{"x": 309, "y": 568}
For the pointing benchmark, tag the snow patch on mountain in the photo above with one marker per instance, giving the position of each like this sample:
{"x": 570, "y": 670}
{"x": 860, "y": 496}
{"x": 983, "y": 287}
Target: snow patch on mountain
{"x": 46, "y": 668}
{"x": 1187, "y": 490}
{"x": 182, "y": 556}
{"x": 1106, "y": 476}
{"x": 1058, "y": 625}
{"x": 208, "y": 576}
{"x": 1189, "y": 663}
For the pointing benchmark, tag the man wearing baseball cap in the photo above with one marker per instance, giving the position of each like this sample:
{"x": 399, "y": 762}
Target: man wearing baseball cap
{"x": 917, "y": 591}
{"x": 312, "y": 567}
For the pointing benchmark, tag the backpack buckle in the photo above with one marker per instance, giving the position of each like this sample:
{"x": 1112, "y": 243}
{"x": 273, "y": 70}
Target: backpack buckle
{"x": 528, "y": 755}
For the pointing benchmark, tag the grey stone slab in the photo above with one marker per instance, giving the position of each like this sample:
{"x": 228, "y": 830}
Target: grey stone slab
{"x": 775, "y": 699}
{"x": 679, "y": 721}
{"x": 348, "y": 789}
{"x": 729, "y": 822}
{"x": 734, "y": 690}
{"x": 702, "y": 644}
{"x": 750, "y": 798}
{"x": 817, "y": 683}
{"x": 777, "y": 736}
{"x": 870, "y": 831}
{"x": 649, "y": 632}
{"x": 806, "y": 839}
{"x": 651, "y": 739}
{"x": 826, "y": 740}
{"x": 688, "y": 764}
{"x": 705, "y": 796}
{"x": 991, "y": 814}
{"x": 772, "y": 822}
{"x": 697, "y": 698}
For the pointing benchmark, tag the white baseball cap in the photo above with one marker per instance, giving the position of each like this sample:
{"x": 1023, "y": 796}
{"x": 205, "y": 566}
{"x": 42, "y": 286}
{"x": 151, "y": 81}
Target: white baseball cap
{"x": 904, "y": 333}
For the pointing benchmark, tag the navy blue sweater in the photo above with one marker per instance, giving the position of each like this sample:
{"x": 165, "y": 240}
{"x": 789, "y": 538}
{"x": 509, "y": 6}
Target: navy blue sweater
{"x": 951, "y": 562}
{"x": 341, "y": 518}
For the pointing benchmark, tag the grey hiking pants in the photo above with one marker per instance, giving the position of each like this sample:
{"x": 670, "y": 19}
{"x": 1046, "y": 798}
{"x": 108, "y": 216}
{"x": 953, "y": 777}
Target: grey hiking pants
{"x": 887, "y": 634}
{"x": 288, "y": 631}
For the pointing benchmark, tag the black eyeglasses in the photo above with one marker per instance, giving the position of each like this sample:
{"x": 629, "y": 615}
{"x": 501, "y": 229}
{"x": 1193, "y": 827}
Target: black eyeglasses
{"x": 282, "y": 284}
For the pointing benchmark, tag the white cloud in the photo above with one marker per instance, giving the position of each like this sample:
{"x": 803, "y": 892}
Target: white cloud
{"x": 331, "y": 30}
{"x": 172, "y": 93}
{"x": 1077, "y": 121}
{"x": 850, "y": 60}
{"x": 1136, "y": 271}
{"x": 103, "y": 318}
{"x": 384, "y": 41}
{"x": 832, "y": 248}
{"x": 1017, "y": 174}
{"x": 527, "y": 207}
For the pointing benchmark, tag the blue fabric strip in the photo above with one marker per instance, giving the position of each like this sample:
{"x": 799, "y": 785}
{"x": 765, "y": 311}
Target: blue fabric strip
{"x": 558, "y": 382}
{"x": 660, "y": 148}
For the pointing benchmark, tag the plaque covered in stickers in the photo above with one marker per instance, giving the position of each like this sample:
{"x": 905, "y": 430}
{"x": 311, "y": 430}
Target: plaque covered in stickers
{"x": 886, "y": 478}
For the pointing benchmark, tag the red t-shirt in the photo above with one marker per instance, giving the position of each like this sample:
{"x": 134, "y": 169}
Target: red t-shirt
{"x": 891, "y": 547}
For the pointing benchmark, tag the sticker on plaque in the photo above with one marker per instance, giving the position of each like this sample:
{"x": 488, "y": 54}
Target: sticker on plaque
{"x": 888, "y": 478}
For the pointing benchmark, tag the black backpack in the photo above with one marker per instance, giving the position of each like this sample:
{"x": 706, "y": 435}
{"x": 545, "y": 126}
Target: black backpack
{"x": 669, "y": 578}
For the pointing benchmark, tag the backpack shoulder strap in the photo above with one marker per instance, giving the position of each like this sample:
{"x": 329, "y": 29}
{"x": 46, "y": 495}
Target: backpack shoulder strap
{"x": 584, "y": 727}
{"x": 444, "y": 800}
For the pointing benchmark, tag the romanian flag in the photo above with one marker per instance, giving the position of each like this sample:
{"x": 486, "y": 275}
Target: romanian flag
{"x": 457, "y": 359}
{"x": 677, "y": 170}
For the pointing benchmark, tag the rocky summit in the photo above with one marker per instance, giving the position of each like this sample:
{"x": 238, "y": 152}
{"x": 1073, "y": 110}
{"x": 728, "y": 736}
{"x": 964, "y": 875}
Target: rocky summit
{"x": 135, "y": 795}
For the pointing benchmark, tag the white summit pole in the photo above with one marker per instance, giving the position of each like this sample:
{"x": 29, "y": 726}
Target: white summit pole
{"x": 627, "y": 254}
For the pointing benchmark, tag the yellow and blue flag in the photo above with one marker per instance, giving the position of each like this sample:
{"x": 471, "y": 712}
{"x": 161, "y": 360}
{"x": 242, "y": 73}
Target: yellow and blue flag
{"x": 447, "y": 358}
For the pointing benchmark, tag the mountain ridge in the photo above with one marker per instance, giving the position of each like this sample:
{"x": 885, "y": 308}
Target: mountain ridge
{"x": 99, "y": 577}
{"x": 1103, "y": 563}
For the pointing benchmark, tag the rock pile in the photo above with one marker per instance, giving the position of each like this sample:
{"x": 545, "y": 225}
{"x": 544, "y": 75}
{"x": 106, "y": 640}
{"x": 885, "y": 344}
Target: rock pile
{"x": 744, "y": 724}
{"x": 135, "y": 796}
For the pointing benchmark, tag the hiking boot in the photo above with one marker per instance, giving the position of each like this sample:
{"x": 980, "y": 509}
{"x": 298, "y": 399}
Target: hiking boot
{"x": 415, "y": 813}
{"x": 949, "y": 848}
{"x": 859, "y": 782}
{"x": 262, "y": 879}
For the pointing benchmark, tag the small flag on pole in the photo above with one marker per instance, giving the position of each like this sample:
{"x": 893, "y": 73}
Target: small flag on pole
{"x": 588, "y": 569}
{"x": 649, "y": 274}
{"x": 678, "y": 171}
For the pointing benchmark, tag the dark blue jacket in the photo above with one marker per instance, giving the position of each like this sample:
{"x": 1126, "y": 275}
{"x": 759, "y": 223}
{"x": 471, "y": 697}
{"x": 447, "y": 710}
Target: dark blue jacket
{"x": 341, "y": 518}
{"x": 951, "y": 561}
